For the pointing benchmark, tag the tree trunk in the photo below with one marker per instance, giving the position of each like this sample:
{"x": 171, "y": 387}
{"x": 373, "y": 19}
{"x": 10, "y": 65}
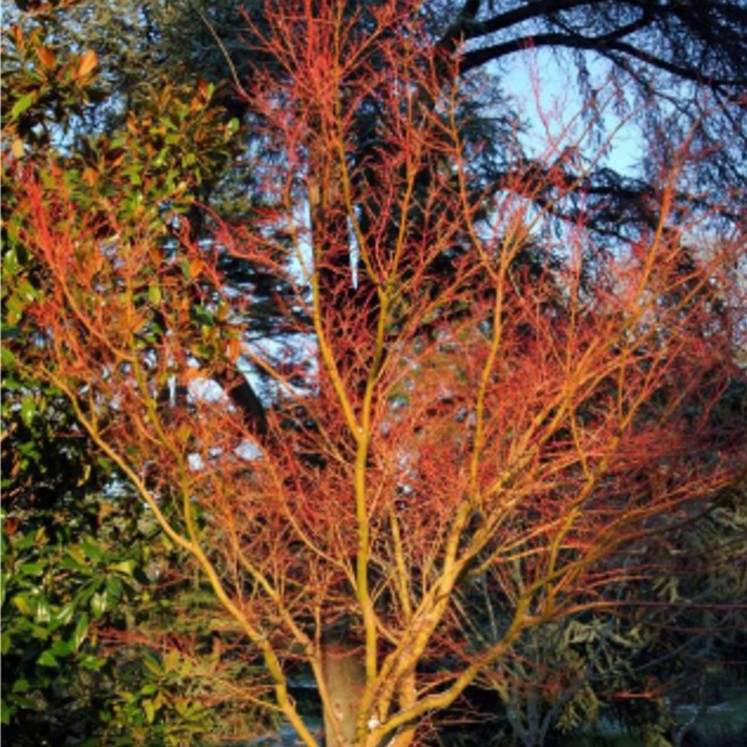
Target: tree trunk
{"x": 345, "y": 679}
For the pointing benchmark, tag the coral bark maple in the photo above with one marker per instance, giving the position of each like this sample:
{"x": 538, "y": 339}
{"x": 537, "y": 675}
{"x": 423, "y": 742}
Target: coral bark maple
{"x": 466, "y": 394}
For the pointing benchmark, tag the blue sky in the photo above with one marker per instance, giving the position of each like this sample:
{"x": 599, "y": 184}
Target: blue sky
{"x": 547, "y": 96}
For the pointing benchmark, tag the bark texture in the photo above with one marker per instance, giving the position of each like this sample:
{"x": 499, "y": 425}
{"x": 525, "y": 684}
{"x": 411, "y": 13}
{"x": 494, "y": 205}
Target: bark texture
{"x": 345, "y": 679}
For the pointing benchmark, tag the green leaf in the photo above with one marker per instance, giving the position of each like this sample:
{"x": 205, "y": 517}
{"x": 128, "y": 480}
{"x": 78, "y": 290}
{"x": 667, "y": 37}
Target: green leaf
{"x": 31, "y": 569}
{"x": 5, "y": 577}
{"x": 61, "y": 649}
{"x": 182, "y": 707}
{"x": 125, "y": 567}
{"x": 40, "y": 632}
{"x": 150, "y": 710}
{"x": 154, "y": 295}
{"x": 152, "y": 664}
{"x": 47, "y": 660}
{"x": 21, "y": 603}
{"x": 21, "y": 685}
{"x": 22, "y": 104}
{"x": 113, "y": 589}
{"x": 7, "y": 358}
{"x": 64, "y": 615}
{"x": 160, "y": 159}
{"x": 43, "y": 612}
{"x": 170, "y": 661}
{"x": 28, "y": 410}
{"x": 81, "y": 631}
{"x": 28, "y": 291}
{"x": 76, "y": 552}
{"x": 68, "y": 564}
{"x": 83, "y": 479}
{"x": 92, "y": 550}
{"x": 98, "y": 604}
{"x": 19, "y": 701}
{"x": 10, "y": 261}
{"x": 91, "y": 663}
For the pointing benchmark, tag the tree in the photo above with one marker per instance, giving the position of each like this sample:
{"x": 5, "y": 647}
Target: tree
{"x": 486, "y": 395}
